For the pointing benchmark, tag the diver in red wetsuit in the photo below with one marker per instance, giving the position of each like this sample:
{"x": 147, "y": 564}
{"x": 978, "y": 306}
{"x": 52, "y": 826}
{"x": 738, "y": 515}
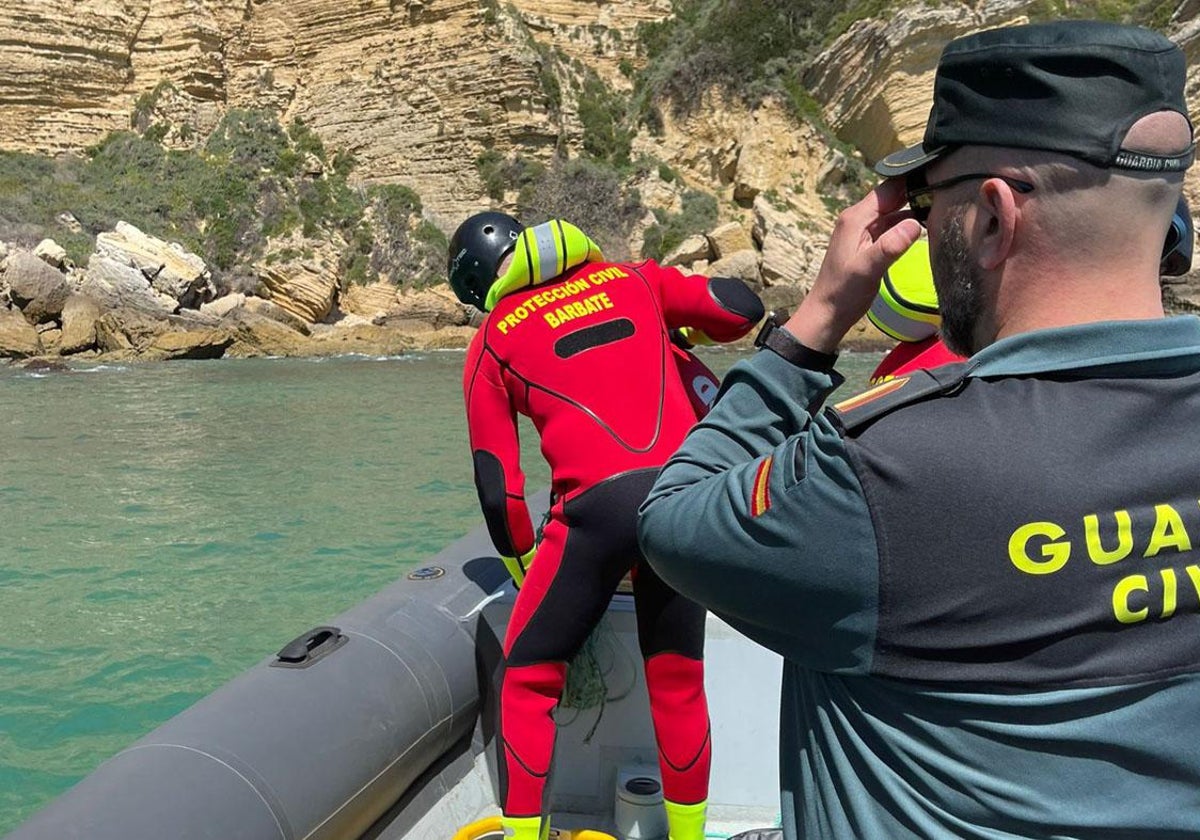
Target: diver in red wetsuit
{"x": 582, "y": 347}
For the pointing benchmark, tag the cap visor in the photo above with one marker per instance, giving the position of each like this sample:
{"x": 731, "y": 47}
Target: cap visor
{"x": 907, "y": 160}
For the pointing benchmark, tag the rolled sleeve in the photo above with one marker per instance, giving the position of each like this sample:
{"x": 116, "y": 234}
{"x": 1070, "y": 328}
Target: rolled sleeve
{"x": 783, "y": 550}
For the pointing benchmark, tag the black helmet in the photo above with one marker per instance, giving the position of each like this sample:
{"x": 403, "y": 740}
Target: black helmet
{"x": 1177, "y": 250}
{"x": 476, "y": 250}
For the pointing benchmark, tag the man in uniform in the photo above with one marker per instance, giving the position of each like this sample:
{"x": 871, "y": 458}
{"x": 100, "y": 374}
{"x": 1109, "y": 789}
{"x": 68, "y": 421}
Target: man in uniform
{"x": 985, "y": 579}
{"x": 583, "y": 347}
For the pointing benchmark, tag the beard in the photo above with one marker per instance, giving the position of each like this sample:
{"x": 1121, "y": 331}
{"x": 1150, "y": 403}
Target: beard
{"x": 957, "y": 281}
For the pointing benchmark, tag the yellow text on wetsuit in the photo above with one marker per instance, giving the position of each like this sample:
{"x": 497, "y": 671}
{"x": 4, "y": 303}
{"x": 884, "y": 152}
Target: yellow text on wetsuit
{"x": 561, "y": 301}
{"x": 1043, "y": 548}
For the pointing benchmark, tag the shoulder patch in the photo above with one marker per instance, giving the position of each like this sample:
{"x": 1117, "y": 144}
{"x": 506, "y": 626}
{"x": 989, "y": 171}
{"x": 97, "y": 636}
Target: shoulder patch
{"x": 760, "y": 492}
{"x": 872, "y": 394}
{"x": 887, "y": 397}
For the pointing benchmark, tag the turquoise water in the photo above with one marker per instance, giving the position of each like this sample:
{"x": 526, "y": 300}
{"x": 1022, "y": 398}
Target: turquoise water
{"x": 165, "y": 526}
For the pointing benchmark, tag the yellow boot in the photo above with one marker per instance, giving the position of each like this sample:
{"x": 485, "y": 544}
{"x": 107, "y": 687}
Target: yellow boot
{"x": 525, "y": 828}
{"x": 685, "y": 822}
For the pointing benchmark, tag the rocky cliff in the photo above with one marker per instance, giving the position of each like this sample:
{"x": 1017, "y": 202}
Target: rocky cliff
{"x": 420, "y": 91}
{"x": 415, "y": 89}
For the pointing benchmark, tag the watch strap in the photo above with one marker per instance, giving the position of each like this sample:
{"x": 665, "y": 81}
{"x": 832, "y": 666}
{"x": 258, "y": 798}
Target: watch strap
{"x": 780, "y": 341}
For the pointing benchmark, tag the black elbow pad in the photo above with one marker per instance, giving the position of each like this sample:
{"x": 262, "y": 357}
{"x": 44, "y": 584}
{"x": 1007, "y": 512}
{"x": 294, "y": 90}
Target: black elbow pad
{"x": 493, "y": 498}
{"x": 736, "y": 297}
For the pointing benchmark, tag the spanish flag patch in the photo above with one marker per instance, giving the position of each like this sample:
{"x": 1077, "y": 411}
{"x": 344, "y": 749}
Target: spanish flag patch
{"x": 760, "y": 495}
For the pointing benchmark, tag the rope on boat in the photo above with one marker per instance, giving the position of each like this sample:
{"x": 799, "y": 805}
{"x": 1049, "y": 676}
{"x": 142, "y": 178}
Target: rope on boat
{"x": 588, "y": 672}
{"x": 589, "y": 675}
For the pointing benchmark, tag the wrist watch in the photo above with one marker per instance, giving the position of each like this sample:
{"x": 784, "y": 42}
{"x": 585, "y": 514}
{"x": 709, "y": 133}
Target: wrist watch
{"x": 772, "y": 336}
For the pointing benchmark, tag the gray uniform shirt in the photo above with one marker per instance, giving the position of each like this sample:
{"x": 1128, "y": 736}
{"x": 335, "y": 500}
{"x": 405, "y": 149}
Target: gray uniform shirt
{"x": 987, "y": 596}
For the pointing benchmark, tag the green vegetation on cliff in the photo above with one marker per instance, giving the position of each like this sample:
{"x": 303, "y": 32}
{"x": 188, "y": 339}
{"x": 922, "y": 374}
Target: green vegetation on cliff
{"x": 748, "y": 48}
{"x": 250, "y": 184}
{"x": 1153, "y": 13}
{"x": 754, "y": 48}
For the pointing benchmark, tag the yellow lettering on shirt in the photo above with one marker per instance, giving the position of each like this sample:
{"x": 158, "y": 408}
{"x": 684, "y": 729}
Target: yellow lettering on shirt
{"x": 1096, "y": 550}
{"x": 556, "y": 305}
{"x": 1122, "y": 595}
{"x": 578, "y": 309}
{"x": 1056, "y": 553}
{"x": 1168, "y": 532}
{"x": 1043, "y": 548}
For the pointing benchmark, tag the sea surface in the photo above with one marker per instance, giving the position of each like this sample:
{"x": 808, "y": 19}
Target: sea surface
{"x": 163, "y": 527}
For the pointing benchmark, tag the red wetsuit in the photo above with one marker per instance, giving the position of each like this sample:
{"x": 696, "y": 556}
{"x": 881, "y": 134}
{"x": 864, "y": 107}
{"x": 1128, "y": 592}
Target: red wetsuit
{"x": 906, "y": 357}
{"x": 588, "y": 358}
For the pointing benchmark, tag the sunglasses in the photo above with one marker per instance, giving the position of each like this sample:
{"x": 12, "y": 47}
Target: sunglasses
{"x": 920, "y": 195}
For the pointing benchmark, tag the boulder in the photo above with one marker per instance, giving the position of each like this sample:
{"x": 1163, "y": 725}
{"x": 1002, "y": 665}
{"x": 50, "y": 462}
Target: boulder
{"x": 110, "y": 336}
{"x": 781, "y": 298}
{"x": 35, "y": 287}
{"x": 306, "y": 288}
{"x": 223, "y": 305}
{"x": 688, "y": 251}
{"x": 728, "y": 239}
{"x": 447, "y": 338}
{"x": 79, "y": 318}
{"x": 51, "y": 338}
{"x": 767, "y": 216}
{"x": 365, "y": 339}
{"x": 787, "y": 257}
{"x": 68, "y": 221}
{"x": 41, "y": 365}
{"x": 741, "y": 264}
{"x": 369, "y": 300}
{"x": 18, "y": 338}
{"x": 259, "y": 335}
{"x": 140, "y": 331}
{"x": 187, "y": 344}
{"x": 170, "y": 269}
{"x": 833, "y": 173}
{"x": 427, "y": 309}
{"x": 791, "y": 251}
{"x": 272, "y": 310}
{"x": 53, "y": 254}
{"x": 771, "y": 150}
{"x": 116, "y": 285}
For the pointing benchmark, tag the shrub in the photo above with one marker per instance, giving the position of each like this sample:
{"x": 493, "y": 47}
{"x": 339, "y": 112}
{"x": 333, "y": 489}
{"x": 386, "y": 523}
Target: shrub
{"x": 698, "y": 214}
{"x": 397, "y": 243}
{"x": 602, "y": 113}
{"x": 500, "y": 174}
{"x": 143, "y": 108}
{"x": 222, "y": 201}
{"x": 589, "y": 194}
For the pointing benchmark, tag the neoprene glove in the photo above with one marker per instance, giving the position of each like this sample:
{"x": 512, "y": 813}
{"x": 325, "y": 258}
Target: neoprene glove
{"x": 518, "y": 566}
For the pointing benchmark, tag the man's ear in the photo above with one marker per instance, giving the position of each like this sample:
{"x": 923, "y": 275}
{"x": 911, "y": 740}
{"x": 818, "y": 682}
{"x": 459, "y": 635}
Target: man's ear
{"x": 996, "y": 223}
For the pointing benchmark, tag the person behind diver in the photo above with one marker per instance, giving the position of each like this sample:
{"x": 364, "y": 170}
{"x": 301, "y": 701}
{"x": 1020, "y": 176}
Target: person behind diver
{"x": 584, "y": 348}
{"x": 906, "y": 307}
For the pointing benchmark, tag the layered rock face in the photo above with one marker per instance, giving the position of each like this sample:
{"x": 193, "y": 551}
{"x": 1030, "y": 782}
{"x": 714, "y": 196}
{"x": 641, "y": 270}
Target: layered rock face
{"x": 599, "y": 35}
{"x": 415, "y": 89}
{"x": 876, "y": 81}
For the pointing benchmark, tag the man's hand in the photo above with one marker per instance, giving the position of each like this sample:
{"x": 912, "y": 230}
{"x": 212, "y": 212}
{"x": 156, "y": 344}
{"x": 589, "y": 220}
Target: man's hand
{"x": 868, "y": 237}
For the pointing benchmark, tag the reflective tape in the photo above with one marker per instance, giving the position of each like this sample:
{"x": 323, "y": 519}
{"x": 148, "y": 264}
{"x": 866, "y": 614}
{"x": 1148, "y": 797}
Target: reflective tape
{"x": 906, "y": 306}
{"x": 542, "y": 253}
